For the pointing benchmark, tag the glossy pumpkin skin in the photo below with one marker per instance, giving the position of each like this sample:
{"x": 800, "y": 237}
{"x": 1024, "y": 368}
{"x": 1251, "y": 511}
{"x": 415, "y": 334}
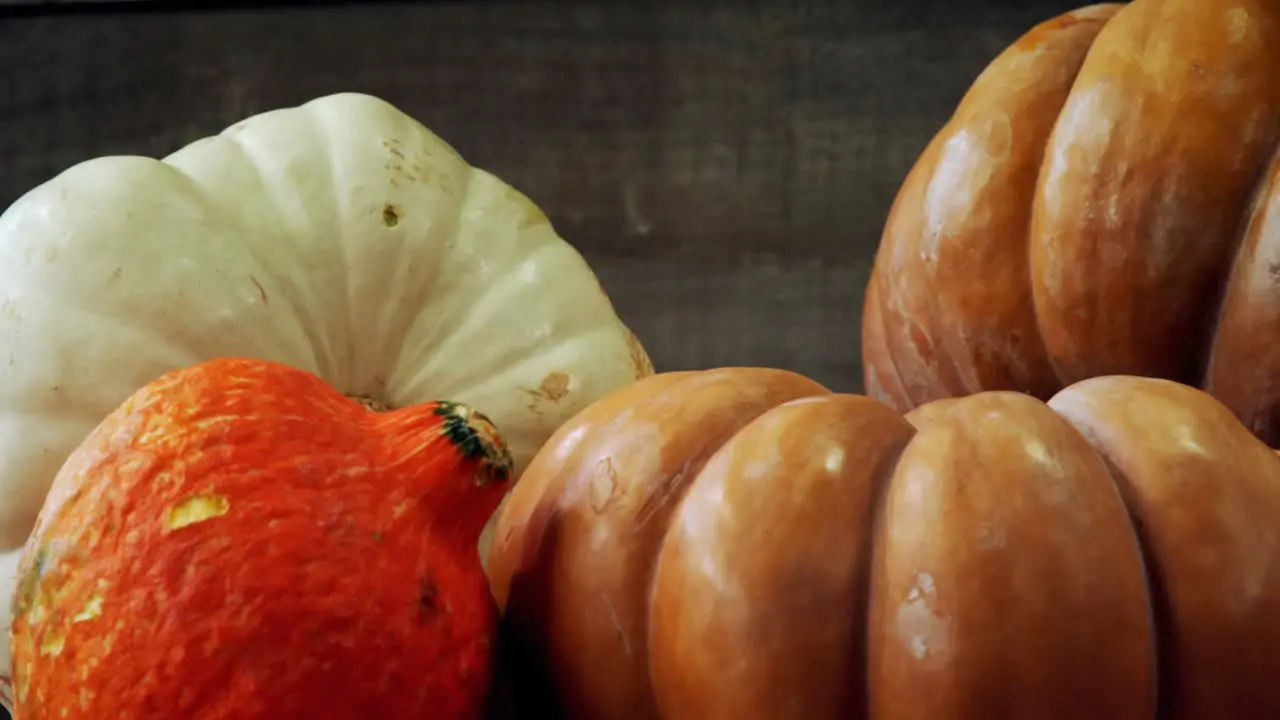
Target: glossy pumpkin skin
{"x": 742, "y": 543}
{"x": 340, "y": 237}
{"x": 1105, "y": 200}
{"x": 239, "y": 540}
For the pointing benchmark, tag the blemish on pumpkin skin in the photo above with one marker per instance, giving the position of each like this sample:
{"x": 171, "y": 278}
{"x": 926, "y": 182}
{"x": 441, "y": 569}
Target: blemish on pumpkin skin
{"x": 428, "y": 596}
{"x": 623, "y": 636}
{"x": 52, "y": 643}
{"x": 925, "y": 635}
{"x": 30, "y": 594}
{"x": 393, "y": 146}
{"x": 261, "y": 291}
{"x": 197, "y": 509}
{"x": 1238, "y": 25}
{"x": 92, "y": 609}
{"x": 390, "y": 215}
{"x": 604, "y": 486}
{"x": 370, "y": 404}
{"x": 554, "y": 386}
{"x": 639, "y": 358}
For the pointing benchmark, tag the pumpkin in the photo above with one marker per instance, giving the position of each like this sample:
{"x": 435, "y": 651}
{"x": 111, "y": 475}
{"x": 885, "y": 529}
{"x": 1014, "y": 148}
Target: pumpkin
{"x": 339, "y": 237}
{"x": 743, "y": 543}
{"x": 1105, "y": 200}
{"x": 240, "y": 540}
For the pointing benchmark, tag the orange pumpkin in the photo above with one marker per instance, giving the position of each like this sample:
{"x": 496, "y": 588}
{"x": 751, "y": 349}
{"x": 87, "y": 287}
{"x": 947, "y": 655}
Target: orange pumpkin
{"x": 241, "y": 540}
{"x": 1105, "y": 200}
{"x": 742, "y": 543}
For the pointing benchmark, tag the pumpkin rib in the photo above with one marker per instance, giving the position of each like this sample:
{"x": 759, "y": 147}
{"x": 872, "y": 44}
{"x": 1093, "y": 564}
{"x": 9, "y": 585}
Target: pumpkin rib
{"x": 1240, "y": 369}
{"x": 241, "y": 154}
{"x": 1008, "y": 614}
{"x": 883, "y": 379}
{"x": 1008, "y": 114}
{"x": 1143, "y": 131}
{"x": 919, "y": 347}
{"x": 715, "y": 597}
{"x": 1213, "y": 564}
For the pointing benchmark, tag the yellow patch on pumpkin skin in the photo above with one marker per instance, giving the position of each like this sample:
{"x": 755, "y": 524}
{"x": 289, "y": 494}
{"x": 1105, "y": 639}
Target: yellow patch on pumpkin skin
{"x": 92, "y": 609}
{"x": 52, "y": 643}
{"x": 196, "y": 509}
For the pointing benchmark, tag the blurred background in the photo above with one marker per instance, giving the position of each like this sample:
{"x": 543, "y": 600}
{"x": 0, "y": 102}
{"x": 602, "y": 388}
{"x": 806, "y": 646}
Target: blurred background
{"x": 726, "y": 167}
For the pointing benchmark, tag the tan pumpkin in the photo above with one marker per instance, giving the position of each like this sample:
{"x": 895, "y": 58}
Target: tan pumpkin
{"x": 1105, "y": 200}
{"x": 742, "y": 543}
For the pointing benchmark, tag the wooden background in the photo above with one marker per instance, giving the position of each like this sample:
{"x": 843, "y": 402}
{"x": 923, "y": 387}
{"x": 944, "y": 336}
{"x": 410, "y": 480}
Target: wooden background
{"x": 726, "y": 167}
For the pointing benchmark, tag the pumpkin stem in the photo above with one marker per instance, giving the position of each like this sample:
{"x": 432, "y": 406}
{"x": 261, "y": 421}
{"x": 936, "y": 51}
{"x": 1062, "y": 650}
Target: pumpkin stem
{"x": 475, "y": 437}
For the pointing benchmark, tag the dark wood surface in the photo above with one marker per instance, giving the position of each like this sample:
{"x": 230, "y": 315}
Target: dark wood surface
{"x": 726, "y": 167}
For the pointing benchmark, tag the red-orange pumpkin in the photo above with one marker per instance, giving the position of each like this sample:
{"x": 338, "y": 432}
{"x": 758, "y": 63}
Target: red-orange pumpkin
{"x": 1105, "y": 200}
{"x": 238, "y": 540}
{"x": 741, "y": 544}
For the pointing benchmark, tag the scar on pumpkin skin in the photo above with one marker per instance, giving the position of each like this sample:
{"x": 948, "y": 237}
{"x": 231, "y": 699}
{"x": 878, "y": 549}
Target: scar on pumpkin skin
{"x": 196, "y": 509}
{"x": 28, "y": 595}
{"x": 92, "y": 609}
{"x": 52, "y": 644}
{"x": 390, "y": 215}
{"x": 554, "y": 387}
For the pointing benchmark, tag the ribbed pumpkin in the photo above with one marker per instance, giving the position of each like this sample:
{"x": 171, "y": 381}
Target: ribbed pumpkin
{"x": 1105, "y": 200}
{"x": 742, "y": 543}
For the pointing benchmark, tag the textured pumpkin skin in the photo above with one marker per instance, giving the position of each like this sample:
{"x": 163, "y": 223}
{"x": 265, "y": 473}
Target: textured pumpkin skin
{"x": 742, "y": 543}
{"x": 340, "y": 237}
{"x": 240, "y": 540}
{"x": 1105, "y": 200}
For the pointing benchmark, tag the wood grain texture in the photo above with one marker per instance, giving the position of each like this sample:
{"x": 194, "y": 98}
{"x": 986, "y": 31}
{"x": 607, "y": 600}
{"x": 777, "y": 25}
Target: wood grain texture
{"x": 727, "y": 167}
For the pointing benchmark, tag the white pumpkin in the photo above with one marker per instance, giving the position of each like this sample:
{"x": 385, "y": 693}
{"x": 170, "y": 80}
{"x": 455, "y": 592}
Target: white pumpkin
{"x": 340, "y": 237}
